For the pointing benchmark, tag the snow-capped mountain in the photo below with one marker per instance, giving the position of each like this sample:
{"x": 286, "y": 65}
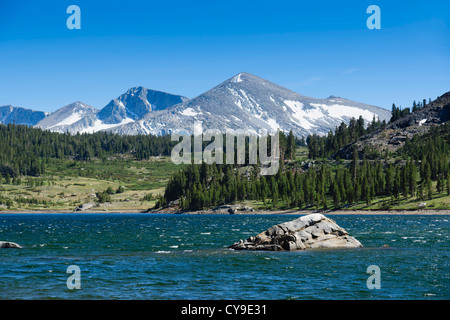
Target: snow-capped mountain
{"x": 127, "y": 108}
{"x": 66, "y": 116}
{"x": 17, "y": 115}
{"x": 136, "y": 103}
{"x": 251, "y": 103}
{"x": 244, "y": 102}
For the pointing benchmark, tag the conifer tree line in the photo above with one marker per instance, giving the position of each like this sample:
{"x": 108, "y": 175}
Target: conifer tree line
{"x": 420, "y": 170}
{"x": 326, "y": 146}
{"x": 398, "y": 112}
{"x": 24, "y": 151}
{"x": 322, "y": 186}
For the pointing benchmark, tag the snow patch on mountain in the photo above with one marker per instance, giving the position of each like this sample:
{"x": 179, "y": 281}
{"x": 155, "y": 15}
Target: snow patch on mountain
{"x": 237, "y": 78}
{"x": 190, "y": 112}
{"x": 67, "y": 116}
{"x": 100, "y": 126}
{"x": 69, "y": 120}
{"x": 342, "y": 112}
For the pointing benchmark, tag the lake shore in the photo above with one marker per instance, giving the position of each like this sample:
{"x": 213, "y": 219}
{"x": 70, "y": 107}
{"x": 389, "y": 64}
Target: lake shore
{"x": 254, "y": 212}
{"x": 337, "y": 212}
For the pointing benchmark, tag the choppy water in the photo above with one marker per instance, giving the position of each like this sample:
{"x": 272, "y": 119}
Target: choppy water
{"x": 144, "y": 256}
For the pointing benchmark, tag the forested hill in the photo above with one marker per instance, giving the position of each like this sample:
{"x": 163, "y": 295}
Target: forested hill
{"x": 404, "y": 126}
{"x": 417, "y": 170}
{"x": 24, "y": 151}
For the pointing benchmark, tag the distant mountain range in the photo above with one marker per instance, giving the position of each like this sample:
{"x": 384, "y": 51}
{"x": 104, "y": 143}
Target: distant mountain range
{"x": 10, "y": 114}
{"x": 129, "y": 107}
{"x": 244, "y": 101}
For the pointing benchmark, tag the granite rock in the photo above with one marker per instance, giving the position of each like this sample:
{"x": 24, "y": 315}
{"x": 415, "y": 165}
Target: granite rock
{"x": 310, "y": 231}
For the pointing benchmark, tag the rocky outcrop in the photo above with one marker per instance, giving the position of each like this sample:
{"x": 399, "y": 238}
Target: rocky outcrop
{"x": 224, "y": 209}
{"x": 85, "y": 206}
{"x": 310, "y": 231}
{"x": 233, "y": 209}
{"x": 8, "y": 244}
{"x": 395, "y": 134}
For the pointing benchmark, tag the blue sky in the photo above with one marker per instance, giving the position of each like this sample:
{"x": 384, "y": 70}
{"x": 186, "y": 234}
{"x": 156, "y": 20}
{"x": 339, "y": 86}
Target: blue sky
{"x": 316, "y": 48}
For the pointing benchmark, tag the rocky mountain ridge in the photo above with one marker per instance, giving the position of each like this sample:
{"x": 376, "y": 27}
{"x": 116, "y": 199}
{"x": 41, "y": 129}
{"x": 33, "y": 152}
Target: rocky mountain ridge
{"x": 395, "y": 134}
{"x": 244, "y": 101}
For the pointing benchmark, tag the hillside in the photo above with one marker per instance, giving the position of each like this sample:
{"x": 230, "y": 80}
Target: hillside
{"x": 360, "y": 176}
{"x": 395, "y": 134}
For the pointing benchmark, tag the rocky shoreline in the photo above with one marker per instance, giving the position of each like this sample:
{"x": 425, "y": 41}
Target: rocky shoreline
{"x": 240, "y": 209}
{"x": 249, "y": 210}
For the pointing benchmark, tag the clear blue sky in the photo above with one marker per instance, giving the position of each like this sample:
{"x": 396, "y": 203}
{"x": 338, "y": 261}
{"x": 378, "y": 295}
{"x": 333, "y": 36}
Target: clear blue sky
{"x": 316, "y": 48}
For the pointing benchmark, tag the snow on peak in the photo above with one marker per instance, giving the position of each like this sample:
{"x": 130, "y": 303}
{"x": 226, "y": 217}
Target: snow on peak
{"x": 237, "y": 78}
{"x": 100, "y": 125}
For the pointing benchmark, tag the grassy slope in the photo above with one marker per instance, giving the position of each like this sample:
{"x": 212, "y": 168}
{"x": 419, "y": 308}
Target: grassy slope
{"x": 67, "y": 184}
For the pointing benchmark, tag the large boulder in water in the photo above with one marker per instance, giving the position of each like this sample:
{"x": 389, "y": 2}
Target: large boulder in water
{"x": 310, "y": 231}
{"x": 8, "y": 244}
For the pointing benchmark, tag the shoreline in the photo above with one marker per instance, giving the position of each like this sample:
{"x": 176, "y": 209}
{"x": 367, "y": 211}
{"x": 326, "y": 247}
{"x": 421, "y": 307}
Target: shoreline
{"x": 337, "y": 212}
{"x": 255, "y": 212}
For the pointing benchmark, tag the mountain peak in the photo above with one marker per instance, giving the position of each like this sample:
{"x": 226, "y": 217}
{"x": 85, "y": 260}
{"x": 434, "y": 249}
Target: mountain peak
{"x": 135, "y": 103}
{"x": 251, "y": 103}
{"x": 238, "y": 78}
{"x": 67, "y": 115}
{"x": 244, "y": 76}
{"x": 18, "y": 115}
{"x": 79, "y": 104}
{"x": 135, "y": 90}
{"x": 244, "y": 101}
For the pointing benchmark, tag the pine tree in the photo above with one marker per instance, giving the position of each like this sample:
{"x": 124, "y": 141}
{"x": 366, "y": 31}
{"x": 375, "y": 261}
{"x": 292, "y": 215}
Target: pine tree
{"x": 335, "y": 193}
{"x": 412, "y": 178}
{"x": 414, "y": 108}
{"x": 275, "y": 195}
{"x": 439, "y": 184}
{"x": 404, "y": 180}
{"x": 448, "y": 184}
{"x": 389, "y": 181}
{"x": 396, "y": 186}
{"x": 354, "y": 164}
{"x": 290, "y": 149}
{"x": 7, "y": 179}
{"x": 427, "y": 181}
{"x": 366, "y": 190}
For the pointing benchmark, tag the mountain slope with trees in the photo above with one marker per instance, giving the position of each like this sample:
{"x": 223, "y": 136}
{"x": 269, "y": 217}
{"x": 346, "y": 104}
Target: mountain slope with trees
{"x": 403, "y": 126}
{"x": 417, "y": 171}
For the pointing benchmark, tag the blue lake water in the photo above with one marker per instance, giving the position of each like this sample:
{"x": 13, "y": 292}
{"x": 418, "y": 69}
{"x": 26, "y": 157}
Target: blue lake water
{"x": 147, "y": 256}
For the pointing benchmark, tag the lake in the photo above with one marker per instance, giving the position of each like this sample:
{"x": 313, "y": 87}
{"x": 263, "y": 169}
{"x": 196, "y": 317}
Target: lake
{"x": 156, "y": 256}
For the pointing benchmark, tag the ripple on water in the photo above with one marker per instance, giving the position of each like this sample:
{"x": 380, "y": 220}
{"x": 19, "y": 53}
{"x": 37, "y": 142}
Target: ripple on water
{"x": 186, "y": 257}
